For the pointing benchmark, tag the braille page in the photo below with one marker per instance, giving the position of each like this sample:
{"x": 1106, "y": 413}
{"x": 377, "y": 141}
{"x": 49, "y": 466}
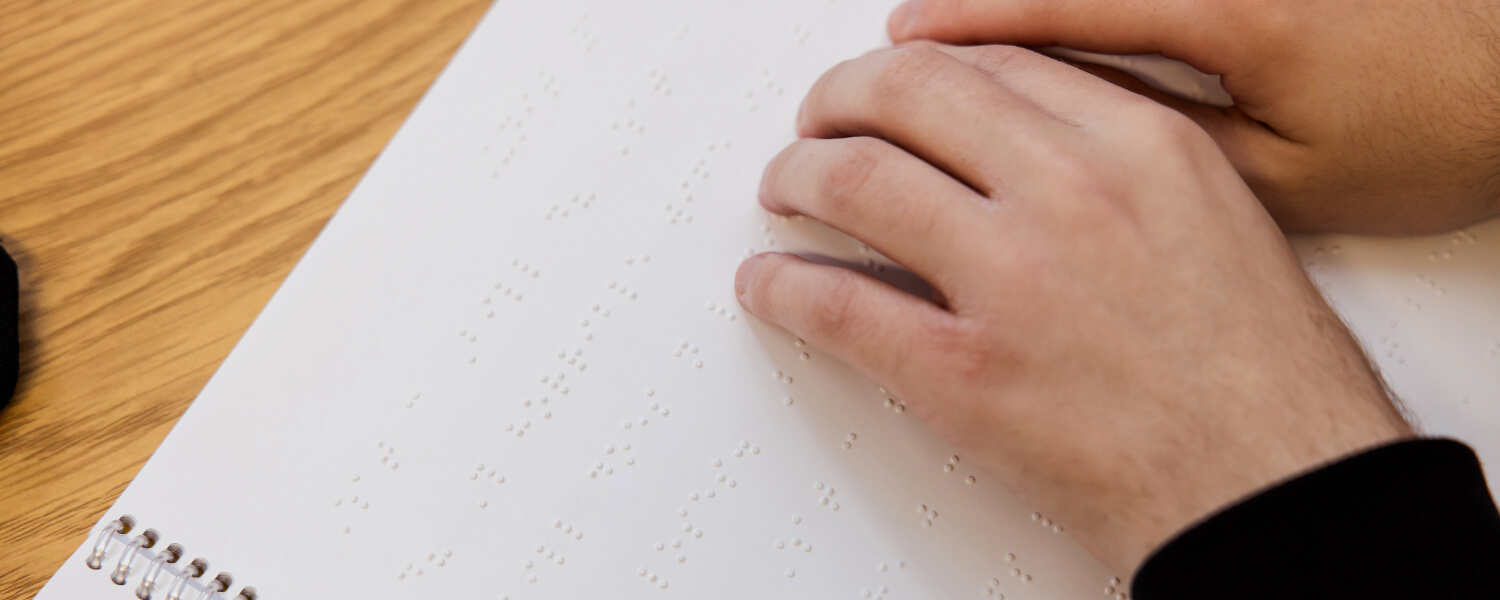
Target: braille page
{"x": 512, "y": 366}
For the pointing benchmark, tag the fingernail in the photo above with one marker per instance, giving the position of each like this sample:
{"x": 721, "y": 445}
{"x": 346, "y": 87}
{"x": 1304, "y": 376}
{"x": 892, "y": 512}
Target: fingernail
{"x": 801, "y": 116}
{"x": 903, "y": 18}
{"x": 747, "y": 268}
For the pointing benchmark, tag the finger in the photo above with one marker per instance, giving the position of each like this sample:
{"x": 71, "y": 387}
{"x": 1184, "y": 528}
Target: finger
{"x": 885, "y": 197}
{"x": 1192, "y": 31}
{"x": 935, "y": 107}
{"x": 1060, "y": 89}
{"x": 880, "y": 330}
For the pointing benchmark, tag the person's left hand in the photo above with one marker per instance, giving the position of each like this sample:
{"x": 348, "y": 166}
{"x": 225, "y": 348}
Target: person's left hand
{"x": 1126, "y": 340}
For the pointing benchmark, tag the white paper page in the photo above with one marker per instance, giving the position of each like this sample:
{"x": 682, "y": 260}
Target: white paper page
{"x": 380, "y": 431}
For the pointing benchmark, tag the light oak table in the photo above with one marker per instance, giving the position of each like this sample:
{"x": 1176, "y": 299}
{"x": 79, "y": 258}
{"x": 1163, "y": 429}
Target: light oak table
{"x": 163, "y": 164}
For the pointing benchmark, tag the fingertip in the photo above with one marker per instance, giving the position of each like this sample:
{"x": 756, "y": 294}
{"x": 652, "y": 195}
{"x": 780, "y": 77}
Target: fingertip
{"x": 745, "y": 275}
{"x": 903, "y": 21}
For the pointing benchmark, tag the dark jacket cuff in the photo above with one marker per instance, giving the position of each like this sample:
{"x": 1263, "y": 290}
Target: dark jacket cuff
{"x": 1413, "y": 519}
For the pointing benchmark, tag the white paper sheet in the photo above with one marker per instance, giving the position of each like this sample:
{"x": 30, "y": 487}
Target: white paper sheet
{"x": 560, "y": 219}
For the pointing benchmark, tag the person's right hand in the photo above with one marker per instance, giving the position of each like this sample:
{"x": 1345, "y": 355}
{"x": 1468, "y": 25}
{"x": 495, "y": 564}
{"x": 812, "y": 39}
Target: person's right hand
{"x": 1124, "y": 340}
{"x": 1353, "y": 116}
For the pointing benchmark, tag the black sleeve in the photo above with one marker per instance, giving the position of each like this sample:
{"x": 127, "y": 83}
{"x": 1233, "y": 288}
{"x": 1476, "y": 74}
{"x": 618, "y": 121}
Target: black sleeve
{"x": 1410, "y": 520}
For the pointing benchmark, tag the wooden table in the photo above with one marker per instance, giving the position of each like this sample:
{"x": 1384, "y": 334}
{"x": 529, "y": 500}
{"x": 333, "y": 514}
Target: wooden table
{"x": 163, "y": 164}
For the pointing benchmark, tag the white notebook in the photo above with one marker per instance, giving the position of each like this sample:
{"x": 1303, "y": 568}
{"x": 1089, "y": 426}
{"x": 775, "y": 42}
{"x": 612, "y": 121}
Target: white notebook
{"x": 512, "y": 366}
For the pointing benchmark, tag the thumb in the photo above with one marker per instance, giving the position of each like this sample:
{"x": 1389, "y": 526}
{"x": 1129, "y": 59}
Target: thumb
{"x": 1190, "y": 31}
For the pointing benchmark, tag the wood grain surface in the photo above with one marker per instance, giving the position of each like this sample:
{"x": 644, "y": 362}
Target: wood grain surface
{"x": 163, "y": 164}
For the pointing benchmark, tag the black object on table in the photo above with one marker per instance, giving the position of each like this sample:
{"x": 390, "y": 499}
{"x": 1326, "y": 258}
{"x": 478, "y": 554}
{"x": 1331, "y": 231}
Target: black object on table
{"x": 9, "y": 346}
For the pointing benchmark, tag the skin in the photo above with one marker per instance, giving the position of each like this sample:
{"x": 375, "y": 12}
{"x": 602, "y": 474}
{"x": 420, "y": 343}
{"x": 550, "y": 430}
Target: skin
{"x": 1356, "y": 116}
{"x": 1124, "y": 338}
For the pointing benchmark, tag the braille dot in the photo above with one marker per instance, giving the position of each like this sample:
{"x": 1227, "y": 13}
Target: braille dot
{"x": 710, "y": 493}
{"x": 1015, "y": 572}
{"x": 1010, "y": 558}
{"x": 969, "y": 479}
{"x": 660, "y": 546}
{"x": 676, "y": 543}
{"x": 681, "y": 558}
{"x": 883, "y": 568}
{"x": 791, "y": 573}
{"x": 787, "y": 401}
{"x": 354, "y": 478}
{"x": 780, "y": 544}
{"x": 796, "y": 520}
{"x": 739, "y": 453}
{"x": 807, "y": 548}
{"x": 625, "y": 425}
{"x": 531, "y": 579}
{"x": 630, "y": 461}
{"x": 698, "y": 364}
{"x": 483, "y": 504}
{"x": 641, "y": 571}
{"x": 927, "y": 523}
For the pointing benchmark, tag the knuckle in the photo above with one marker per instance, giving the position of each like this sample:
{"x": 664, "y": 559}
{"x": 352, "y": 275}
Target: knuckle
{"x": 904, "y": 71}
{"x": 848, "y": 174}
{"x": 834, "y": 314}
{"x": 999, "y": 59}
{"x": 1163, "y": 129}
{"x": 1178, "y": 129}
{"x": 961, "y": 345}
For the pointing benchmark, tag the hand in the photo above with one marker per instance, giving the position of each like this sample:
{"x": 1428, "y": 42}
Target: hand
{"x": 1366, "y": 117}
{"x": 1126, "y": 341}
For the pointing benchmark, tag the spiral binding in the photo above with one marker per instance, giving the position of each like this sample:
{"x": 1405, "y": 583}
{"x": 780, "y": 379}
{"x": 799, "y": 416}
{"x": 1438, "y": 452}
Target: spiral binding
{"x": 163, "y": 569}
